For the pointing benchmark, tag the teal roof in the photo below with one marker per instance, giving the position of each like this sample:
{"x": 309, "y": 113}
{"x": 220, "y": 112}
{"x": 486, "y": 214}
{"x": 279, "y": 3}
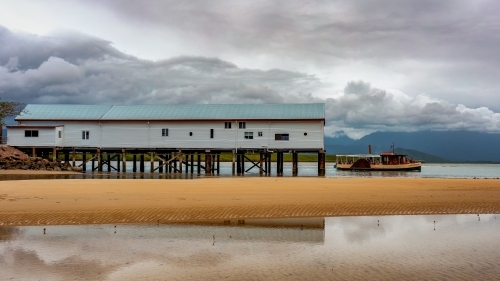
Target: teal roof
{"x": 173, "y": 112}
{"x": 63, "y": 112}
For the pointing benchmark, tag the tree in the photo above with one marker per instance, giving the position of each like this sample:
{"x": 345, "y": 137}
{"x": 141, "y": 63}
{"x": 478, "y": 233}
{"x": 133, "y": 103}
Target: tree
{"x": 9, "y": 108}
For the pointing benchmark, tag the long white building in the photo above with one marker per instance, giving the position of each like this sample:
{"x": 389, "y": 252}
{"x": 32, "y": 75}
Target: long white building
{"x": 223, "y": 127}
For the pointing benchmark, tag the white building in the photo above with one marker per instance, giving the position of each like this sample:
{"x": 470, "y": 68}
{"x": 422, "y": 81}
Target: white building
{"x": 222, "y": 127}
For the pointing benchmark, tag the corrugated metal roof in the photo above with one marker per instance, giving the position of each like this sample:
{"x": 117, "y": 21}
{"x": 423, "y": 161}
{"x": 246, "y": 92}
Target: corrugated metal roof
{"x": 63, "y": 112}
{"x": 174, "y": 112}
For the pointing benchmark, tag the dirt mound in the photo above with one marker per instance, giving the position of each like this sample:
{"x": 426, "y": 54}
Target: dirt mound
{"x": 13, "y": 159}
{"x": 11, "y": 153}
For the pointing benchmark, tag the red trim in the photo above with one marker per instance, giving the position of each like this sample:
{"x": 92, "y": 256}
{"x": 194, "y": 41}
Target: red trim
{"x": 32, "y": 126}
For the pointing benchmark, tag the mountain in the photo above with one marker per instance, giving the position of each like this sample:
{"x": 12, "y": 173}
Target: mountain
{"x": 418, "y": 155}
{"x": 456, "y": 146}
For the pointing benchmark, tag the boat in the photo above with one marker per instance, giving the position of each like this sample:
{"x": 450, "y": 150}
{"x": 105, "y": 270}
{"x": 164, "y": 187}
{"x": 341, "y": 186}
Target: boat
{"x": 386, "y": 161}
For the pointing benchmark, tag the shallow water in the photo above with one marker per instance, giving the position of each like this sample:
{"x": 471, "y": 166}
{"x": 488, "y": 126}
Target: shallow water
{"x": 305, "y": 170}
{"x": 455, "y": 247}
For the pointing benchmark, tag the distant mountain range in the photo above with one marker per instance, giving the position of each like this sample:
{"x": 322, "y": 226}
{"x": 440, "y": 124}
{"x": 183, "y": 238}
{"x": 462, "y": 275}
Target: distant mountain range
{"x": 454, "y": 146}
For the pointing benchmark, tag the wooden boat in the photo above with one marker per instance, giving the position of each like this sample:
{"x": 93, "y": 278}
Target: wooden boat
{"x": 386, "y": 161}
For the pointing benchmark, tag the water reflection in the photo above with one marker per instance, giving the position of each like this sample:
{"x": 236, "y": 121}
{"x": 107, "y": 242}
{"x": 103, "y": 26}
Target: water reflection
{"x": 341, "y": 248}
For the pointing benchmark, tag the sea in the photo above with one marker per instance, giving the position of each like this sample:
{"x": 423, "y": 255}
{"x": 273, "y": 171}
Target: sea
{"x": 418, "y": 247}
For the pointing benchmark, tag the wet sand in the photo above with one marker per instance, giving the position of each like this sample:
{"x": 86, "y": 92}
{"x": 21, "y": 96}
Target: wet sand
{"x": 88, "y": 201}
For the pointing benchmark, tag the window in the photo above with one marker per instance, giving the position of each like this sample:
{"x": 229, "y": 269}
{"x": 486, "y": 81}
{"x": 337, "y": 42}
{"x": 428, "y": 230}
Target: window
{"x": 190, "y": 134}
{"x": 249, "y": 135}
{"x": 242, "y": 125}
{"x": 164, "y": 132}
{"x": 59, "y": 134}
{"x": 211, "y": 133}
{"x": 85, "y": 135}
{"x": 227, "y": 125}
{"x": 31, "y": 133}
{"x": 260, "y": 134}
{"x": 281, "y": 137}
{"x": 305, "y": 134}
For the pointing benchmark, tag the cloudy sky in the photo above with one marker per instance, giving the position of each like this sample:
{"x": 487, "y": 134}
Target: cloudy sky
{"x": 378, "y": 65}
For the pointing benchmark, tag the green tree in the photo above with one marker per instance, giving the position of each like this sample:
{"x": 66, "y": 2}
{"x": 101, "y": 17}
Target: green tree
{"x": 9, "y": 108}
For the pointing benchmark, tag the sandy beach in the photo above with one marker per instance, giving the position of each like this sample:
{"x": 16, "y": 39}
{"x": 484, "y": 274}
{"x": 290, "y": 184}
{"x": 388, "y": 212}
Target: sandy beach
{"x": 89, "y": 201}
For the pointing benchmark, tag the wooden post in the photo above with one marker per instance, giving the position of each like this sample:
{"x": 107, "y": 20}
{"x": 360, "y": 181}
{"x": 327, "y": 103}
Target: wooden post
{"x": 321, "y": 162}
{"x": 66, "y": 157}
{"x": 109, "y": 161}
{"x": 242, "y": 156}
{"x": 73, "y": 157}
{"x": 99, "y": 160}
{"x": 169, "y": 156}
{"x": 238, "y": 165}
{"x": 33, "y": 152}
{"x": 134, "y": 163}
{"x": 160, "y": 165}
{"x": 118, "y": 164}
{"x": 295, "y": 164}
{"x": 269, "y": 163}
{"x": 208, "y": 162}
{"x": 180, "y": 161}
{"x": 84, "y": 161}
{"x": 152, "y": 162}
{"x": 141, "y": 163}
{"x": 93, "y": 163}
{"x": 233, "y": 165}
{"x": 198, "y": 167}
{"x": 124, "y": 160}
{"x": 261, "y": 170}
{"x": 54, "y": 155}
{"x": 192, "y": 163}
{"x": 218, "y": 164}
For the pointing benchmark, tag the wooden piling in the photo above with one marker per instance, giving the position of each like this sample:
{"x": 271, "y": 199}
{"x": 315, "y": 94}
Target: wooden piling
{"x": 152, "y": 162}
{"x": 233, "y": 168}
{"x": 295, "y": 163}
{"x": 134, "y": 163}
{"x": 73, "y": 158}
{"x": 109, "y": 161}
{"x": 99, "y": 160}
{"x": 84, "y": 161}
{"x": 141, "y": 163}
{"x": 124, "y": 160}
{"x": 118, "y": 160}
{"x": 321, "y": 162}
{"x": 218, "y": 164}
{"x": 198, "y": 163}
{"x": 208, "y": 162}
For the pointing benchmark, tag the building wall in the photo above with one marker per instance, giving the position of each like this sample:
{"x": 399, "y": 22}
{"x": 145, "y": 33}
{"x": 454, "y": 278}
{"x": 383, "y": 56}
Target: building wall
{"x": 46, "y": 137}
{"x": 143, "y": 134}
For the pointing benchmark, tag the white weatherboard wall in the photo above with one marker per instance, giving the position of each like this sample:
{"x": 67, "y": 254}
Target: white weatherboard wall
{"x": 46, "y": 137}
{"x": 144, "y": 134}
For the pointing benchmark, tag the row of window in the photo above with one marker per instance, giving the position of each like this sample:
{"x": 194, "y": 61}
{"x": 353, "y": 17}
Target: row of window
{"x": 164, "y": 133}
{"x": 241, "y": 125}
{"x": 34, "y": 134}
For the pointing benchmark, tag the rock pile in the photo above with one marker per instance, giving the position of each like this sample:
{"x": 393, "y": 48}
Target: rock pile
{"x": 13, "y": 159}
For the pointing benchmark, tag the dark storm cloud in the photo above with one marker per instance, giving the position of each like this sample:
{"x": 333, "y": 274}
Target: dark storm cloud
{"x": 75, "y": 68}
{"x": 445, "y": 48}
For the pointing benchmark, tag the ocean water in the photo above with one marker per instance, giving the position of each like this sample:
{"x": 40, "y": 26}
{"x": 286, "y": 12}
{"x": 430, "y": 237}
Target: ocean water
{"x": 432, "y": 247}
{"x": 305, "y": 170}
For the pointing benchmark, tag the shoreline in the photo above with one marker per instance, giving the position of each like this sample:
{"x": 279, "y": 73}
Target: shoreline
{"x": 95, "y": 201}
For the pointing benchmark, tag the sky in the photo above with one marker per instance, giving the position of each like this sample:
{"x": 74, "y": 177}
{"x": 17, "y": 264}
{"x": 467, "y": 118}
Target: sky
{"x": 377, "y": 65}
